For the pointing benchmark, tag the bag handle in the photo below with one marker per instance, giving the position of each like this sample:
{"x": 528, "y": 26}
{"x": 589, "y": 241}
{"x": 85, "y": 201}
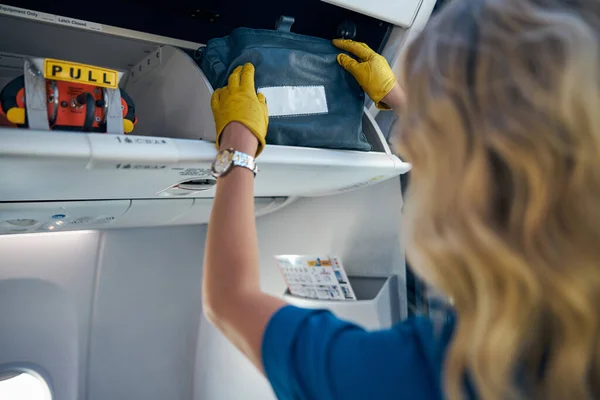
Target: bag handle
{"x": 284, "y": 24}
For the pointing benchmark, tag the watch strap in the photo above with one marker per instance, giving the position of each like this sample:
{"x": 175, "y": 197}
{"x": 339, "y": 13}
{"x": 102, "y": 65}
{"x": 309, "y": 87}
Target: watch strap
{"x": 244, "y": 160}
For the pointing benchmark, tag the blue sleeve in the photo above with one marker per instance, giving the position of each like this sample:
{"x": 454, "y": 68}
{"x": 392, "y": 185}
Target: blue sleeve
{"x": 311, "y": 354}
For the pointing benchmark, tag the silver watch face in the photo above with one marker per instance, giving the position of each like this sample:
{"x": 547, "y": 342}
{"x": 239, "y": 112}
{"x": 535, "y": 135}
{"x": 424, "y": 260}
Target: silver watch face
{"x": 222, "y": 163}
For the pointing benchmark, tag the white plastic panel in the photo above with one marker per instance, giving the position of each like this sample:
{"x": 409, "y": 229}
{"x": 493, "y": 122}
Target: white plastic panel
{"x": 377, "y": 305}
{"x": 155, "y": 212}
{"x": 373, "y": 134}
{"x": 174, "y": 96}
{"x": 119, "y": 152}
{"x": 229, "y": 375}
{"x": 200, "y": 211}
{"x": 46, "y": 294}
{"x": 18, "y": 218}
{"x": 271, "y": 205}
{"x": 146, "y": 314}
{"x": 397, "y": 12}
{"x": 40, "y": 163}
{"x": 58, "y": 216}
{"x": 36, "y": 165}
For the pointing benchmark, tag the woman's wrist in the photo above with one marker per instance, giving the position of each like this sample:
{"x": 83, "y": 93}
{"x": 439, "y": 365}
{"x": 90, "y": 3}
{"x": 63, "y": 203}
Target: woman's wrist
{"x": 236, "y": 136}
{"x": 395, "y": 98}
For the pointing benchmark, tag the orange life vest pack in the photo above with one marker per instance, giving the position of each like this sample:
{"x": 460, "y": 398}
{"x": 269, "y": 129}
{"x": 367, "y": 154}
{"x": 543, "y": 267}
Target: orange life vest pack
{"x": 71, "y": 105}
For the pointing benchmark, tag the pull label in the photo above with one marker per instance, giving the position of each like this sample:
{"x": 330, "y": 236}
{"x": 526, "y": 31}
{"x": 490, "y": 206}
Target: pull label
{"x": 80, "y": 73}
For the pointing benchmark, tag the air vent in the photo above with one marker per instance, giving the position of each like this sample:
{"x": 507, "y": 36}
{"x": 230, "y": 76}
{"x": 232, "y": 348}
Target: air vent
{"x": 22, "y": 222}
{"x": 189, "y": 187}
{"x": 197, "y": 184}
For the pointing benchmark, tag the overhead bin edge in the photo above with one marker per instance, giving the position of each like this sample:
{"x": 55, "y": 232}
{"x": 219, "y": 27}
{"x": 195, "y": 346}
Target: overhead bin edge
{"x": 77, "y": 24}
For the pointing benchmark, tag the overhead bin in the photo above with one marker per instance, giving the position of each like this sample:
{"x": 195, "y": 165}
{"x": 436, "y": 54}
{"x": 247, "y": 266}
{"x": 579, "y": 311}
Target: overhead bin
{"x": 169, "y": 154}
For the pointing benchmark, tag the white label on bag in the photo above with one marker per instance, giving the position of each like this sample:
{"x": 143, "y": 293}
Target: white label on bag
{"x": 283, "y": 101}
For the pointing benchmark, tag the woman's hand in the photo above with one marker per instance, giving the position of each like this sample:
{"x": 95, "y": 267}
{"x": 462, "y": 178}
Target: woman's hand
{"x": 372, "y": 71}
{"x": 238, "y": 102}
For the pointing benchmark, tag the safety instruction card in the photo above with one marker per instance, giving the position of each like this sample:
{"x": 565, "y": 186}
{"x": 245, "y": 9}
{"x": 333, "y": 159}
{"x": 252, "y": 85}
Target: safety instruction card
{"x": 315, "y": 277}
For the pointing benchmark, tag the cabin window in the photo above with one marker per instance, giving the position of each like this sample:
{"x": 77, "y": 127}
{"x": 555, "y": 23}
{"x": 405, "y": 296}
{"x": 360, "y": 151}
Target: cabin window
{"x": 20, "y": 385}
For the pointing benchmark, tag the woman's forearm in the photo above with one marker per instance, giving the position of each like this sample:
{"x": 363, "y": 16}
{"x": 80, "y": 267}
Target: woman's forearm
{"x": 232, "y": 298}
{"x": 231, "y": 254}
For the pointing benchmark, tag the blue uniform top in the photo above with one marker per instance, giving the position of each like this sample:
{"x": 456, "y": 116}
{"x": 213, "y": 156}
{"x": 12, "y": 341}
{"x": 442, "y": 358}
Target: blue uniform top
{"x": 312, "y": 355}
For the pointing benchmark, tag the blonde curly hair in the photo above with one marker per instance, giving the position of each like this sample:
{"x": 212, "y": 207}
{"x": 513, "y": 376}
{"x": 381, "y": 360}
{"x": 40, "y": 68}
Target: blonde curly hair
{"x": 502, "y": 127}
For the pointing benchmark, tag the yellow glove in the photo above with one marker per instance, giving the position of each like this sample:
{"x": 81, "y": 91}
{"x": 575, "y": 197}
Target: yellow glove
{"x": 372, "y": 71}
{"x": 239, "y": 102}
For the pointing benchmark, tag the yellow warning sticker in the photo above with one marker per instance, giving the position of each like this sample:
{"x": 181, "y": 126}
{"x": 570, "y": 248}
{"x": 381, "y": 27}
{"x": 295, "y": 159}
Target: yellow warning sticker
{"x": 80, "y": 73}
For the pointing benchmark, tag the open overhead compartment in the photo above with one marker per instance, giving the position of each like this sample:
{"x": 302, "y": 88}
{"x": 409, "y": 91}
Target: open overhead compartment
{"x": 169, "y": 153}
{"x": 201, "y": 21}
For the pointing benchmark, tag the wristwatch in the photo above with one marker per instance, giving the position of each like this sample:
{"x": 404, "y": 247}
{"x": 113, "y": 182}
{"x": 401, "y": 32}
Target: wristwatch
{"x": 229, "y": 158}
